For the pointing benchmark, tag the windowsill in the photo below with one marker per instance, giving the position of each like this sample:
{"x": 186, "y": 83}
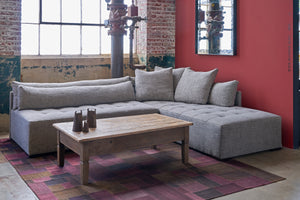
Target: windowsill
{"x": 70, "y": 56}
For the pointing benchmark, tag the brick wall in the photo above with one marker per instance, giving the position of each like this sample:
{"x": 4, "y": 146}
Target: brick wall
{"x": 10, "y": 50}
{"x": 10, "y": 27}
{"x": 156, "y": 37}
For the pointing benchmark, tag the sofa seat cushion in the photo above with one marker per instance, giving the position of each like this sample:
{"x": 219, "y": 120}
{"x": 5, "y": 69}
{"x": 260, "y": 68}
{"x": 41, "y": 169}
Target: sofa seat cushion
{"x": 102, "y": 111}
{"x": 34, "y": 131}
{"x": 225, "y": 132}
{"x": 213, "y": 114}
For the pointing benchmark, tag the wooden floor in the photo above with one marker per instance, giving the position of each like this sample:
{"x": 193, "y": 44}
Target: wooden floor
{"x": 284, "y": 162}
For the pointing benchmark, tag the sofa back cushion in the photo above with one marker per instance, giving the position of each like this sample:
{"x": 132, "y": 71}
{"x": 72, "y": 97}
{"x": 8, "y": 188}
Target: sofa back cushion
{"x": 177, "y": 73}
{"x": 194, "y": 87}
{"x": 223, "y": 94}
{"x": 16, "y": 84}
{"x": 58, "y": 97}
{"x": 154, "y": 86}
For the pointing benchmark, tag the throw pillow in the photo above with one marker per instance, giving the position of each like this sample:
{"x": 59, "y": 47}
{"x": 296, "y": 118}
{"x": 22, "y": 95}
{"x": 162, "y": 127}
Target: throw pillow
{"x": 223, "y": 94}
{"x": 41, "y": 98}
{"x": 177, "y": 73}
{"x": 15, "y": 85}
{"x": 156, "y": 85}
{"x": 194, "y": 87}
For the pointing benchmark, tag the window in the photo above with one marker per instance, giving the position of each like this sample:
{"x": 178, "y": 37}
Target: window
{"x": 66, "y": 27}
{"x": 215, "y": 27}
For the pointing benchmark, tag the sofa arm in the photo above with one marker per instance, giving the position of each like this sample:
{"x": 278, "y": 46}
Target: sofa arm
{"x": 238, "y": 99}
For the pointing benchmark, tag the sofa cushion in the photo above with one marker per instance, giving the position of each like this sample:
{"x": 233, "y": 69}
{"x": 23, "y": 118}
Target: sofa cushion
{"x": 194, "y": 87}
{"x": 157, "y": 85}
{"x": 39, "y": 98}
{"x": 177, "y": 73}
{"x": 223, "y": 94}
{"x": 15, "y": 85}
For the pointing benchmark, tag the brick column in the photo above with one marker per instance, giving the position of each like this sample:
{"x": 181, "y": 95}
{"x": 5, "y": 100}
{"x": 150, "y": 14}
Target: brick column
{"x": 10, "y": 54}
{"x": 156, "y": 37}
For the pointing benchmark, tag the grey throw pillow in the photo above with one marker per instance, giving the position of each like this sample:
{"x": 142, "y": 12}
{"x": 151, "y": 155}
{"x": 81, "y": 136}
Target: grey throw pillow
{"x": 156, "y": 85}
{"x": 194, "y": 87}
{"x": 223, "y": 94}
{"x": 177, "y": 73}
{"x": 41, "y": 98}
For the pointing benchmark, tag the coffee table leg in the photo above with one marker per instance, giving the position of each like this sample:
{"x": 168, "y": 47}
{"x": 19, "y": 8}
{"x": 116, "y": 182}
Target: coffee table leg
{"x": 185, "y": 146}
{"x": 84, "y": 166}
{"x": 60, "y": 151}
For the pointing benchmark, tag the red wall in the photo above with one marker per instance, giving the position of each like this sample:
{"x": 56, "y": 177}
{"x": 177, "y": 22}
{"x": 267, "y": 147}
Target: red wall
{"x": 263, "y": 64}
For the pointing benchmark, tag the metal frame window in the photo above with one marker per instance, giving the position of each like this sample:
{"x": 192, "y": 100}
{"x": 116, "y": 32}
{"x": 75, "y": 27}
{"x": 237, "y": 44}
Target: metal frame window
{"x": 65, "y": 27}
{"x": 227, "y": 42}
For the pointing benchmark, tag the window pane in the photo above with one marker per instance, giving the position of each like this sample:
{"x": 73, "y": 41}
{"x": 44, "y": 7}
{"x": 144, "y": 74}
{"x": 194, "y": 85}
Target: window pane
{"x": 226, "y": 2}
{"x": 104, "y": 12}
{"x": 30, "y": 11}
{"x": 90, "y": 40}
{"x": 70, "y": 40}
{"x": 51, "y": 10}
{"x": 227, "y": 17}
{"x": 91, "y": 11}
{"x": 50, "y": 40}
{"x": 226, "y": 40}
{"x": 29, "y": 39}
{"x": 71, "y": 11}
{"x": 105, "y": 42}
{"x": 126, "y": 42}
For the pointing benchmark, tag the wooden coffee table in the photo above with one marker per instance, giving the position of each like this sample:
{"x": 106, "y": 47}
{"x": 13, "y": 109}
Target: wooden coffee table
{"x": 119, "y": 134}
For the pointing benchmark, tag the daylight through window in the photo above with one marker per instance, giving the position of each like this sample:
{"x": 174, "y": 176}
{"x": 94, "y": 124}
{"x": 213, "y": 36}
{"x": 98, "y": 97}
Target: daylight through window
{"x": 66, "y": 27}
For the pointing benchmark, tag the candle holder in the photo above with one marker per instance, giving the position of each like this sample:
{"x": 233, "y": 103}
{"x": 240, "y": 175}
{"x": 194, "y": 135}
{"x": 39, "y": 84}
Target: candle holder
{"x": 77, "y": 121}
{"x": 91, "y": 118}
{"x": 85, "y": 128}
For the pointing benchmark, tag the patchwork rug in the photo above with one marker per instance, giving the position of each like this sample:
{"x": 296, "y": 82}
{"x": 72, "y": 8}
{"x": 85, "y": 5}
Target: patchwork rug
{"x": 145, "y": 174}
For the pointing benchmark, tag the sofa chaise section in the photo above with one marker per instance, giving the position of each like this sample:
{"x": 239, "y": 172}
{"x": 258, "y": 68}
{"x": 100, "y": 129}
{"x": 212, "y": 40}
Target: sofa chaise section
{"x": 226, "y": 132}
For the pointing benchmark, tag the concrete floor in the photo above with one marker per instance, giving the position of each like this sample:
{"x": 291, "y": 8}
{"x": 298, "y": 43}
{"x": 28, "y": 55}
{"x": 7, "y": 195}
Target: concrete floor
{"x": 284, "y": 162}
{"x": 12, "y": 186}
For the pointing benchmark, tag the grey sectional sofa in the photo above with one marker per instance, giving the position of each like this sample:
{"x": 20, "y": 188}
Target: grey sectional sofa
{"x": 219, "y": 130}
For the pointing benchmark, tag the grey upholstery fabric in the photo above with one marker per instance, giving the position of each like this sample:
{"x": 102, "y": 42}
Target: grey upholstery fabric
{"x": 32, "y": 129}
{"x": 238, "y": 99}
{"x": 16, "y": 84}
{"x": 157, "y": 85}
{"x": 223, "y": 132}
{"x": 226, "y": 132}
{"x": 177, "y": 73}
{"x": 223, "y": 94}
{"x": 38, "y": 98}
{"x": 194, "y": 87}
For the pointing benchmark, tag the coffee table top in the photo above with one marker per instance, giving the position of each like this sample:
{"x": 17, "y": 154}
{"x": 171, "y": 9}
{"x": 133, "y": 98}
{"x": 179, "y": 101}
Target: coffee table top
{"x": 121, "y": 126}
